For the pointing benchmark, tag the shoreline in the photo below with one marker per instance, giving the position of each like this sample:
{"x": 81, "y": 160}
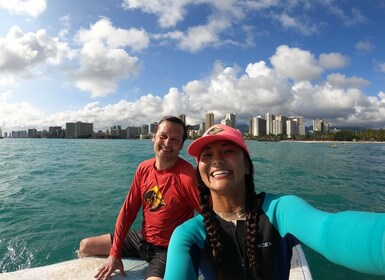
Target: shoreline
{"x": 332, "y": 142}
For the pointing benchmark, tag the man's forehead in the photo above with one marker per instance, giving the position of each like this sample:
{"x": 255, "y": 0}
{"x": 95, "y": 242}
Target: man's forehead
{"x": 167, "y": 127}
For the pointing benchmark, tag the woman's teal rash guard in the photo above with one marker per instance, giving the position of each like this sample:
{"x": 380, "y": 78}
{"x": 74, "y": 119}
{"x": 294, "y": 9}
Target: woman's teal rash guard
{"x": 352, "y": 239}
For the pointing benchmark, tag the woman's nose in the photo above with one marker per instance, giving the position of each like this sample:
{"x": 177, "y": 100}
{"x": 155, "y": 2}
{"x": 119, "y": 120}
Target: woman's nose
{"x": 217, "y": 160}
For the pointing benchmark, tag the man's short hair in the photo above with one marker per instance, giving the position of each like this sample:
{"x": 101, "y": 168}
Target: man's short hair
{"x": 175, "y": 120}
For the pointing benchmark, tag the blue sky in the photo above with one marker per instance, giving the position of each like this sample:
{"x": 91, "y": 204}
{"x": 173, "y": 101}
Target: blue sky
{"x": 130, "y": 62}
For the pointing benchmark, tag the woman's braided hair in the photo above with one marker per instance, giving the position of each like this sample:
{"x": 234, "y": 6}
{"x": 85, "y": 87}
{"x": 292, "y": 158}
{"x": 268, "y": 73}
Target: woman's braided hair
{"x": 214, "y": 231}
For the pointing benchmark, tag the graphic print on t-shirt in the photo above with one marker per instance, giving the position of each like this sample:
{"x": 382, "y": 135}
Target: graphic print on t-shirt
{"x": 154, "y": 198}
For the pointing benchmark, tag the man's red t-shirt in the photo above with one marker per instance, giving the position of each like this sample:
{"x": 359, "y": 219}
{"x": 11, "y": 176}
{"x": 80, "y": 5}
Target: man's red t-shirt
{"x": 168, "y": 198}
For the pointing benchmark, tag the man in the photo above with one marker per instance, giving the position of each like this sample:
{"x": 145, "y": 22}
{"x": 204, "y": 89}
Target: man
{"x": 166, "y": 188}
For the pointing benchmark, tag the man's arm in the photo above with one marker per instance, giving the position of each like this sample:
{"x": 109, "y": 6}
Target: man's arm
{"x": 126, "y": 216}
{"x": 123, "y": 223}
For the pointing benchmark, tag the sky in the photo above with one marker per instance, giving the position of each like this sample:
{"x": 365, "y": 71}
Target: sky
{"x": 131, "y": 62}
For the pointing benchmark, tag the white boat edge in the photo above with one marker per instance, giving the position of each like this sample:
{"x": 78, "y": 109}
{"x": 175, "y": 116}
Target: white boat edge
{"x": 86, "y": 268}
{"x": 299, "y": 266}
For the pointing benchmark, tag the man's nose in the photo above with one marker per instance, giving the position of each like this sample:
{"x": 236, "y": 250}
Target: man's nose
{"x": 167, "y": 142}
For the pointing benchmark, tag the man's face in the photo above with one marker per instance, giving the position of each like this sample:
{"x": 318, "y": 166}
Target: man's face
{"x": 168, "y": 141}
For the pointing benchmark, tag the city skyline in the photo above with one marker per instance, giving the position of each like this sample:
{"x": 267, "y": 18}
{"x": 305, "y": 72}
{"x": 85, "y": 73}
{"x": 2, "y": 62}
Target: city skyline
{"x": 127, "y": 62}
{"x": 228, "y": 119}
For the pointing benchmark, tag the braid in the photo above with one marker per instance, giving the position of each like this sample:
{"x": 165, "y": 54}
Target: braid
{"x": 252, "y": 219}
{"x": 211, "y": 224}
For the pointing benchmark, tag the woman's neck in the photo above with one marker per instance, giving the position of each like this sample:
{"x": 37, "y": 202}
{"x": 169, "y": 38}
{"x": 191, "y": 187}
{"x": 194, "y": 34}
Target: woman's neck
{"x": 228, "y": 205}
{"x": 231, "y": 216}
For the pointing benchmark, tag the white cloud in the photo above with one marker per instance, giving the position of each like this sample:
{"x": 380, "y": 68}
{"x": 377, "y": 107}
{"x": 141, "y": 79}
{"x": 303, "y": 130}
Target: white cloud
{"x": 297, "y": 24}
{"x": 21, "y": 52}
{"x": 301, "y": 65}
{"x": 103, "y": 32}
{"x": 65, "y": 21}
{"x": 197, "y": 38}
{"x": 333, "y": 60}
{"x": 297, "y": 64}
{"x": 103, "y": 59}
{"x": 32, "y": 8}
{"x": 381, "y": 96}
{"x": 341, "y": 81}
{"x": 20, "y": 115}
{"x": 200, "y": 37}
{"x": 291, "y": 15}
{"x": 324, "y": 101}
{"x": 258, "y": 69}
{"x": 382, "y": 67}
{"x": 221, "y": 17}
{"x": 248, "y": 92}
{"x": 170, "y": 12}
{"x": 366, "y": 46}
{"x": 102, "y": 68}
{"x": 354, "y": 18}
{"x": 5, "y": 95}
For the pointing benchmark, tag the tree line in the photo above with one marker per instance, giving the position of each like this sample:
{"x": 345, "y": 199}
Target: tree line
{"x": 369, "y": 135}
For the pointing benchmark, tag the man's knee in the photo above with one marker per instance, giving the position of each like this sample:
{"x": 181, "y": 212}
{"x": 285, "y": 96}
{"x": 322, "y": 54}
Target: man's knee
{"x": 83, "y": 247}
{"x": 95, "y": 246}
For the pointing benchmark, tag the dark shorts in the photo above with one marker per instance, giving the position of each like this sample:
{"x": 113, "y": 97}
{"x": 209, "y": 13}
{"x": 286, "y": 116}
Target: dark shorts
{"x": 135, "y": 247}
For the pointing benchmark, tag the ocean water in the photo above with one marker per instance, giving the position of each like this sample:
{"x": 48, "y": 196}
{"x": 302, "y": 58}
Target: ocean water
{"x": 54, "y": 192}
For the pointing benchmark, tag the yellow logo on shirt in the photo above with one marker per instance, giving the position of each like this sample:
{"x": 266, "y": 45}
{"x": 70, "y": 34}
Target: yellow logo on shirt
{"x": 154, "y": 198}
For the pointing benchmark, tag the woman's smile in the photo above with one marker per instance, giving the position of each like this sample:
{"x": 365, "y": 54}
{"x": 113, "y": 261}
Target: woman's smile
{"x": 220, "y": 173}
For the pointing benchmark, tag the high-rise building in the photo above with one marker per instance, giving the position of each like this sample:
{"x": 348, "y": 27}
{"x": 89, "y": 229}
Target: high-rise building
{"x": 55, "y": 132}
{"x": 226, "y": 121}
{"x": 231, "y": 118}
{"x": 291, "y": 128}
{"x": 300, "y": 124}
{"x": 79, "y": 130}
{"x": 116, "y": 131}
{"x": 133, "y": 132}
{"x": 18, "y": 134}
{"x": 209, "y": 120}
{"x": 257, "y": 126}
{"x": 183, "y": 118}
{"x": 152, "y": 127}
{"x": 251, "y": 125}
{"x": 32, "y": 133}
{"x": 144, "y": 129}
{"x": 201, "y": 129}
{"x": 70, "y": 130}
{"x": 320, "y": 125}
{"x": 269, "y": 123}
{"x": 279, "y": 125}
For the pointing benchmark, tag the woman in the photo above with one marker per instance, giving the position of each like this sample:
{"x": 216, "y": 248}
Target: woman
{"x": 244, "y": 235}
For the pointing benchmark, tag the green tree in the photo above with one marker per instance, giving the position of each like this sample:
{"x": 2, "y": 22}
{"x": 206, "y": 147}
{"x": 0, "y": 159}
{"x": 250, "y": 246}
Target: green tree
{"x": 344, "y": 135}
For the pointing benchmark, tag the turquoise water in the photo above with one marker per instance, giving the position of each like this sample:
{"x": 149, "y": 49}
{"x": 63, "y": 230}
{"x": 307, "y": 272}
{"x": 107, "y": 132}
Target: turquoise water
{"x": 54, "y": 192}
